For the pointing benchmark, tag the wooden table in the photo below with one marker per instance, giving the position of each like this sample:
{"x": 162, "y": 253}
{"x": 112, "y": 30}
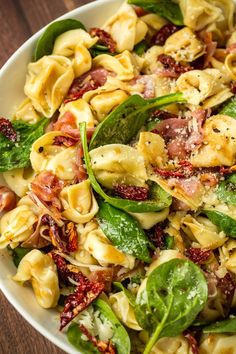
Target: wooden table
{"x": 19, "y": 20}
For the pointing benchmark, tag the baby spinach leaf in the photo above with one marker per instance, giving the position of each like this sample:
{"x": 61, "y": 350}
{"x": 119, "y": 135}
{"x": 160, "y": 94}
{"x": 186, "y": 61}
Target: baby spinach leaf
{"x": 226, "y": 190}
{"x": 227, "y": 326}
{"x": 16, "y": 155}
{"x": 18, "y": 253}
{"x": 130, "y": 296}
{"x": 159, "y": 199}
{"x": 98, "y": 49}
{"x": 175, "y": 293}
{"x": 141, "y": 48}
{"x": 127, "y": 119}
{"x": 120, "y": 337}
{"x": 229, "y": 108}
{"x": 165, "y": 8}
{"x": 123, "y": 231}
{"x": 222, "y": 221}
{"x": 75, "y": 337}
{"x": 46, "y": 42}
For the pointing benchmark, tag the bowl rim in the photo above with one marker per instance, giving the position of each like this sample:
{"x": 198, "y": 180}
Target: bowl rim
{"x": 64, "y": 345}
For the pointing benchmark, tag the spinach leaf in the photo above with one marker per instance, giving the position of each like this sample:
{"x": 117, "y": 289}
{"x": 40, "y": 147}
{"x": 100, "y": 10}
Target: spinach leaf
{"x": 18, "y": 253}
{"x": 127, "y": 119}
{"x": 75, "y": 337}
{"x": 46, "y": 42}
{"x": 222, "y": 221}
{"x": 16, "y": 155}
{"x": 98, "y": 49}
{"x": 130, "y": 296}
{"x": 165, "y": 8}
{"x": 159, "y": 198}
{"x": 227, "y": 326}
{"x": 175, "y": 293}
{"x": 229, "y": 108}
{"x": 120, "y": 337}
{"x": 141, "y": 48}
{"x": 123, "y": 231}
{"x": 226, "y": 190}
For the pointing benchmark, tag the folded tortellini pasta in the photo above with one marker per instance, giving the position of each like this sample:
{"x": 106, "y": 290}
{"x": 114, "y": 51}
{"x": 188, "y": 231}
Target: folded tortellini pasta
{"x": 174, "y": 345}
{"x": 40, "y": 269}
{"x": 82, "y": 255}
{"x": 80, "y": 110}
{"x": 104, "y": 252}
{"x": 78, "y": 202}
{"x": 219, "y": 146}
{"x": 184, "y": 45}
{"x": 47, "y": 83}
{"x": 57, "y": 159}
{"x": 19, "y": 179}
{"x": 228, "y": 255}
{"x": 201, "y": 13}
{"x": 203, "y": 231}
{"x": 152, "y": 147}
{"x": 118, "y": 164}
{"x": 27, "y": 112}
{"x": 124, "y": 65}
{"x": 126, "y": 28}
{"x": 123, "y": 310}
{"x": 154, "y": 23}
{"x": 74, "y": 44}
{"x": 206, "y": 87}
{"x": 148, "y": 220}
{"x": 218, "y": 344}
{"x": 16, "y": 226}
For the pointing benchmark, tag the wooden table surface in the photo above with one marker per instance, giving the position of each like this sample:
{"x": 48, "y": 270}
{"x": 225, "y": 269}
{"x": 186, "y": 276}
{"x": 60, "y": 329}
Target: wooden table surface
{"x": 19, "y": 20}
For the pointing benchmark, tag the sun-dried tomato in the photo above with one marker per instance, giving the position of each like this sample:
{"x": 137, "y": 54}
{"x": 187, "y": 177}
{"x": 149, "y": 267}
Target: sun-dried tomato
{"x": 62, "y": 268}
{"x": 139, "y": 11}
{"x": 165, "y": 32}
{"x": 198, "y": 255}
{"x": 184, "y": 171}
{"x": 225, "y": 170}
{"x": 65, "y": 140}
{"x": 158, "y": 237}
{"x": 105, "y": 347}
{"x": 233, "y": 87}
{"x": 70, "y": 233}
{"x": 104, "y": 38}
{"x": 54, "y": 232}
{"x": 131, "y": 192}
{"x": 172, "y": 66}
{"x": 85, "y": 293}
{"x": 227, "y": 286}
{"x": 6, "y": 128}
{"x": 192, "y": 342}
{"x": 7, "y": 199}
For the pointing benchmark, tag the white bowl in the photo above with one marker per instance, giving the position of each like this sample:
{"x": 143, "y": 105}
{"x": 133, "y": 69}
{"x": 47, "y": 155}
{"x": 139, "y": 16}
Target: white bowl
{"x": 12, "y": 79}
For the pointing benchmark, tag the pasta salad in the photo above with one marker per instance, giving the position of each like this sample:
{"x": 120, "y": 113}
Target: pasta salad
{"x": 119, "y": 204}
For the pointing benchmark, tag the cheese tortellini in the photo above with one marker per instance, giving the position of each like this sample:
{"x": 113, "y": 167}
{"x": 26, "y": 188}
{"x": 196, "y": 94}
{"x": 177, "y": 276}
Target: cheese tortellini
{"x": 79, "y": 203}
{"x": 152, "y": 147}
{"x": 126, "y": 28}
{"x": 174, "y": 345}
{"x": 219, "y": 146}
{"x": 218, "y": 344}
{"x": 104, "y": 252}
{"x": 16, "y": 226}
{"x": 47, "y": 83}
{"x": 19, "y": 179}
{"x": 40, "y": 269}
{"x": 116, "y": 163}
{"x": 58, "y": 159}
{"x": 27, "y": 112}
{"x": 80, "y": 110}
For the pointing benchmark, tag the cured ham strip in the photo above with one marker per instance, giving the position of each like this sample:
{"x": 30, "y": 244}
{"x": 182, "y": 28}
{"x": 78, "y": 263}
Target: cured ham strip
{"x": 171, "y": 67}
{"x": 87, "y": 82}
{"x": 8, "y": 199}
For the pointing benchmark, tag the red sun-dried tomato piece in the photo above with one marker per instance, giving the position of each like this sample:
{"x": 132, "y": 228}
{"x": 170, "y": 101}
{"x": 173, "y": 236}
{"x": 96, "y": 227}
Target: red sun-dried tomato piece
{"x": 233, "y": 87}
{"x": 105, "y": 347}
{"x": 165, "y": 32}
{"x": 158, "y": 113}
{"x": 158, "y": 237}
{"x": 54, "y": 232}
{"x": 184, "y": 171}
{"x": 131, "y": 192}
{"x": 198, "y": 255}
{"x": 65, "y": 140}
{"x": 139, "y": 11}
{"x": 192, "y": 342}
{"x": 227, "y": 286}
{"x": 173, "y": 68}
{"x": 104, "y": 38}
{"x": 85, "y": 293}
{"x": 70, "y": 233}
{"x": 6, "y": 128}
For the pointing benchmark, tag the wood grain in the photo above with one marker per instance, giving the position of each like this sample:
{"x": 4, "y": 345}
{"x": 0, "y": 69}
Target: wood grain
{"x": 19, "y": 20}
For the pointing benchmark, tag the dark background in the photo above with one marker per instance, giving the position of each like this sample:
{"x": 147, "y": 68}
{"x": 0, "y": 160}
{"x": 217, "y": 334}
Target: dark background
{"x": 19, "y": 19}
